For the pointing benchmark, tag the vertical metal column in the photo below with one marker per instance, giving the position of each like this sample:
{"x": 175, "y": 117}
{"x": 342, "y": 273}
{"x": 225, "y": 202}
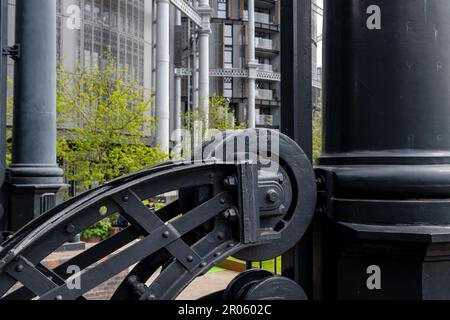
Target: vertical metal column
{"x": 252, "y": 66}
{"x": 296, "y": 118}
{"x": 178, "y": 111}
{"x": 3, "y": 103}
{"x": 34, "y": 171}
{"x": 204, "y": 34}
{"x": 162, "y": 84}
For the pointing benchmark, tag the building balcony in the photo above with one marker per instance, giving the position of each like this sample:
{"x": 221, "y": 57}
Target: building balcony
{"x": 264, "y": 121}
{"x": 265, "y": 67}
{"x": 260, "y": 17}
{"x": 264, "y": 94}
{"x": 265, "y": 44}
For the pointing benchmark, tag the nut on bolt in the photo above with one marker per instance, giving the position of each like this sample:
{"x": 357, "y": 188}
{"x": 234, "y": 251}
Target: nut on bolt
{"x": 230, "y": 181}
{"x": 273, "y": 196}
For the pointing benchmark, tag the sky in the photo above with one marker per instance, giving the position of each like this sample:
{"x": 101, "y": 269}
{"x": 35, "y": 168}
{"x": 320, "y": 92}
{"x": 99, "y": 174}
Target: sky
{"x": 319, "y": 32}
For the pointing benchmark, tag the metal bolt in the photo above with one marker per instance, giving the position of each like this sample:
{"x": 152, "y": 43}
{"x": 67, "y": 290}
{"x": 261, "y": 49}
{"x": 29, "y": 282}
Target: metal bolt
{"x": 70, "y": 229}
{"x": 223, "y": 201}
{"x": 203, "y": 265}
{"x": 230, "y": 181}
{"x": 125, "y": 198}
{"x": 190, "y": 259}
{"x": 320, "y": 210}
{"x": 273, "y": 196}
{"x": 282, "y": 209}
{"x": 152, "y": 297}
{"x": 19, "y": 268}
{"x": 280, "y": 178}
{"x": 166, "y": 234}
{"x": 231, "y": 245}
{"x": 320, "y": 181}
{"x": 59, "y": 298}
{"x": 217, "y": 254}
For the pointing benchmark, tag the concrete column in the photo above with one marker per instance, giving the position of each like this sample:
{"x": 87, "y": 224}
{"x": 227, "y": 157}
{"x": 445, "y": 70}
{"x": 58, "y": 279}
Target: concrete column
{"x": 34, "y": 173}
{"x": 162, "y": 101}
{"x": 204, "y": 34}
{"x": 195, "y": 83}
{"x": 178, "y": 111}
{"x": 252, "y": 66}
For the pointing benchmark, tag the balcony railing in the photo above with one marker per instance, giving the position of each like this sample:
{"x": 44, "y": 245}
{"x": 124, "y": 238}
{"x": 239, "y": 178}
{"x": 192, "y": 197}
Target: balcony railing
{"x": 264, "y": 94}
{"x": 264, "y": 120}
{"x": 263, "y": 43}
{"x": 259, "y": 17}
{"x": 265, "y": 67}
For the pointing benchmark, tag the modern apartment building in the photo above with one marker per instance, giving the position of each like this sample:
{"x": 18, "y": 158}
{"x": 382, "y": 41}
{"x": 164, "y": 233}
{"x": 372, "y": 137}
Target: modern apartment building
{"x": 229, "y": 58}
{"x": 87, "y": 28}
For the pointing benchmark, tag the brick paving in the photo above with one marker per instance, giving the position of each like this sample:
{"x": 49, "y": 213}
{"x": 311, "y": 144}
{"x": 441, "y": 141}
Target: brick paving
{"x": 209, "y": 283}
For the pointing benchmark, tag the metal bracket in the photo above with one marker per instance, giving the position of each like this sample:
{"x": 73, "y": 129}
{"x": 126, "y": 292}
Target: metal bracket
{"x": 13, "y": 52}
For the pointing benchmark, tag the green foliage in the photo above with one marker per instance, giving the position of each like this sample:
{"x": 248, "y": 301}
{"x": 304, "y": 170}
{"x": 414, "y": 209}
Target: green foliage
{"x": 221, "y": 117}
{"x": 100, "y": 230}
{"x": 107, "y": 117}
{"x": 317, "y": 131}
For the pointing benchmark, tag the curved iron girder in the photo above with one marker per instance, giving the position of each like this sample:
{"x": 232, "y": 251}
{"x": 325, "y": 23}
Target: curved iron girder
{"x": 183, "y": 240}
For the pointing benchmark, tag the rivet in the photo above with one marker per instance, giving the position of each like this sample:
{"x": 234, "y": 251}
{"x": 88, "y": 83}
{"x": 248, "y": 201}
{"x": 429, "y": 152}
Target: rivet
{"x": 217, "y": 254}
{"x": 19, "y": 268}
{"x": 151, "y": 297}
{"x": 203, "y": 265}
{"x": 125, "y": 198}
{"x": 59, "y": 298}
{"x": 231, "y": 245}
{"x": 166, "y": 234}
{"x": 223, "y": 201}
{"x": 190, "y": 259}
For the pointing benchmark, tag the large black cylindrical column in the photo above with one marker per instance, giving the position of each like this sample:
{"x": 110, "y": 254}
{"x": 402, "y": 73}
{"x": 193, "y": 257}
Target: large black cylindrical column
{"x": 387, "y": 146}
{"x": 34, "y": 174}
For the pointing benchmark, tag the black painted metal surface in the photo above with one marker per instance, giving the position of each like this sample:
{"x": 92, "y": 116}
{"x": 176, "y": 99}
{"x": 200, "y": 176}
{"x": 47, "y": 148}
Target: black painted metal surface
{"x": 215, "y": 217}
{"x": 386, "y": 147}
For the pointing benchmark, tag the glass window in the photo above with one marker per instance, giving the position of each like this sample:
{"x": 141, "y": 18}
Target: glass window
{"x": 222, "y": 9}
{"x": 228, "y": 87}
{"x": 228, "y": 58}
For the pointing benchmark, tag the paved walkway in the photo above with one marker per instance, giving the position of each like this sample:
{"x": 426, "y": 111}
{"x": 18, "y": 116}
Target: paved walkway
{"x": 210, "y": 283}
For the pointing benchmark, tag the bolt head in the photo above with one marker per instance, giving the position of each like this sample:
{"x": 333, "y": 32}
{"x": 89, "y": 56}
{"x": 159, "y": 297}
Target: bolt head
{"x": 273, "y": 196}
{"x": 190, "y": 258}
{"x": 70, "y": 229}
{"x": 166, "y": 234}
{"x": 59, "y": 298}
{"x": 126, "y": 199}
{"x": 19, "y": 268}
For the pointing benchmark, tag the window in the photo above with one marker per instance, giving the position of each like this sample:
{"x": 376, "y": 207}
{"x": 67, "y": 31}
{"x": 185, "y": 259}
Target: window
{"x": 228, "y": 58}
{"x": 228, "y": 34}
{"x": 222, "y": 9}
{"x": 228, "y": 87}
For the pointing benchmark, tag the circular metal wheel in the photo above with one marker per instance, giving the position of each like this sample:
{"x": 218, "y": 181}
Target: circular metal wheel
{"x": 238, "y": 288}
{"x": 275, "y": 288}
{"x": 271, "y": 149}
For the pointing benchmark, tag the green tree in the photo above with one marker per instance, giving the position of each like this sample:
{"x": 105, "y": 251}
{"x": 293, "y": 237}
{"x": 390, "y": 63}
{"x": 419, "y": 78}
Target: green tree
{"x": 317, "y": 130}
{"x": 105, "y": 124}
{"x": 221, "y": 117}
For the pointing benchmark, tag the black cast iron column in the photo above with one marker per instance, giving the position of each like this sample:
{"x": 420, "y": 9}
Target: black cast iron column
{"x": 387, "y": 147}
{"x": 3, "y": 102}
{"x": 34, "y": 173}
